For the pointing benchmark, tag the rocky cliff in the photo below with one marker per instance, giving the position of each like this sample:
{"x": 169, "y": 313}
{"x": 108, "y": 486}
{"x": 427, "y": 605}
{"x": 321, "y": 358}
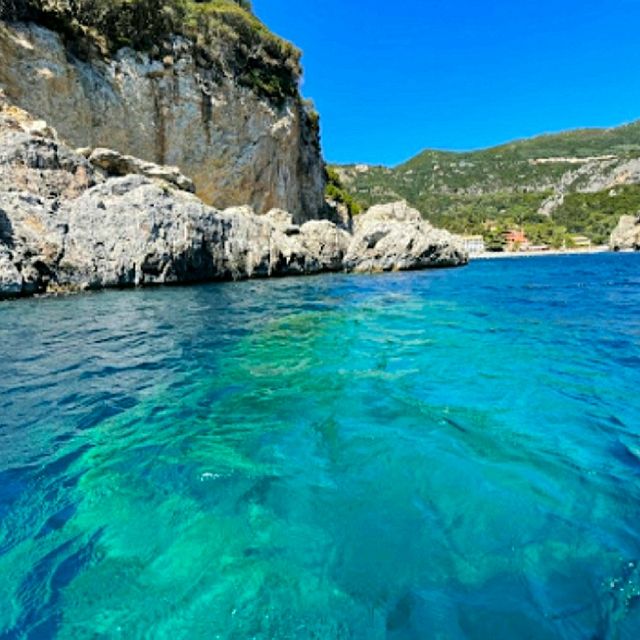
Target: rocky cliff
{"x": 626, "y": 235}
{"x": 75, "y": 221}
{"x": 174, "y": 104}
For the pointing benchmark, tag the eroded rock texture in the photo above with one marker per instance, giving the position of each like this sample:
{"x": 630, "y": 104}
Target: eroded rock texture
{"x": 236, "y": 146}
{"x": 75, "y": 220}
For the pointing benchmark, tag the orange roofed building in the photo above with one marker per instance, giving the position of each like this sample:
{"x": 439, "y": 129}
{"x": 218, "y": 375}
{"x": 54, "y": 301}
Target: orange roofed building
{"x": 516, "y": 239}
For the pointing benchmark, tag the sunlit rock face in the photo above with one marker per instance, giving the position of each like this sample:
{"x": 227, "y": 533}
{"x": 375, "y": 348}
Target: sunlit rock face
{"x": 74, "y": 220}
{"x": 395, "y": 237}
{"x": 237, "y": 147}
{"x": 626, "y": 235}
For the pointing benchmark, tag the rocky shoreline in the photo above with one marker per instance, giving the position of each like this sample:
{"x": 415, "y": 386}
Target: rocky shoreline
{"x": 73, "y": 220}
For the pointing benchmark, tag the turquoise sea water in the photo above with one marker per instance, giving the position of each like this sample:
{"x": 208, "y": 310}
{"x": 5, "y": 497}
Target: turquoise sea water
{"x": 439, "y": 455}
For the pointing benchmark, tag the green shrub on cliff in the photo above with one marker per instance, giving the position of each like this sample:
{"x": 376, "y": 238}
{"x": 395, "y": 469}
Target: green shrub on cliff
{"x": 597, "y": 214}
{"x": 226, "y": 34}
{"x": 258, "y": 58}
{"x": 334, "y": 190}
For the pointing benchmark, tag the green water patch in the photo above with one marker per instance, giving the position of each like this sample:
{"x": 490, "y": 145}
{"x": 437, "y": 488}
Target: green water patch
{"x": 403, "y": 461}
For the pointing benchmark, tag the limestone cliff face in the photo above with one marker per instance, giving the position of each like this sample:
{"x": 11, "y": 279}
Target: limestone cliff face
{"x": 238, "y": 148}
{"x": 626, "y": 235}
{"x": 68, "y": 222}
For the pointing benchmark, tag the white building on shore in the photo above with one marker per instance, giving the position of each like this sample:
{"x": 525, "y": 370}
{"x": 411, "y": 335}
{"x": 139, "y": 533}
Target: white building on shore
{"x": 474, "y": 244}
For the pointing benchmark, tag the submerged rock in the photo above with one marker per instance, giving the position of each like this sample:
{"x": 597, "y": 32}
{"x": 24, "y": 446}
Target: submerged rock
{"x": 626, "y": 236}
{"x": 69, "y": 221}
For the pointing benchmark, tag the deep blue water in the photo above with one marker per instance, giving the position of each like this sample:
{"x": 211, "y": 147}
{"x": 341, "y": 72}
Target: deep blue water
{"x": 441, "y": 455}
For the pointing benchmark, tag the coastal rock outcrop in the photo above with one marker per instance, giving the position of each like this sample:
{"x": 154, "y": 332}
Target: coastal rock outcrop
{"x": 117, "y": 164}
{"x": 10, "y": 277}
{"x": 234, "y": 144}
{"x": 32, "y": 159}
{"x": 132, "y": 231}
{"x": 626, "y": 235}
{"x": 69, "y": 221}
{"x": 394, "y": 237}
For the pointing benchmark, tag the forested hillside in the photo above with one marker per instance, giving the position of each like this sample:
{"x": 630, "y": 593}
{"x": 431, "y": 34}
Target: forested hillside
{"x": 553, "y": 186}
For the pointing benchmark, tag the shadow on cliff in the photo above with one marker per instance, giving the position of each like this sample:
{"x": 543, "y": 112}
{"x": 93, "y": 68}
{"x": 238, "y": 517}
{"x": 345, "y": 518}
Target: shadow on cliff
{"x": 6, "y": 230}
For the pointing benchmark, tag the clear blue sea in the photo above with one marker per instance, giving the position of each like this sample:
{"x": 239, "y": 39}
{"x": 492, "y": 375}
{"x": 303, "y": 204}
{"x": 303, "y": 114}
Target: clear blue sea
{"x": 438, "y": 455}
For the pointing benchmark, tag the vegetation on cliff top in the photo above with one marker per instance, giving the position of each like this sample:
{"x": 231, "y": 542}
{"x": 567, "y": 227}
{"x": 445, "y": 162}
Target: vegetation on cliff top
{"x": 334, "y": 190}
{"x": 227, "y": 35}
{"x": 505, "y": 187}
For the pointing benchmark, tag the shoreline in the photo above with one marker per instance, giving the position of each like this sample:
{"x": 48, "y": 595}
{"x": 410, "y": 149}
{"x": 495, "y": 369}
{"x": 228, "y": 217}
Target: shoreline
{"x": 490, "y": 255}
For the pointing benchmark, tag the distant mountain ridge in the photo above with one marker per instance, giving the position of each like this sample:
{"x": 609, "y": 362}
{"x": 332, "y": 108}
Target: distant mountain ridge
{"x": 556, "y": 185}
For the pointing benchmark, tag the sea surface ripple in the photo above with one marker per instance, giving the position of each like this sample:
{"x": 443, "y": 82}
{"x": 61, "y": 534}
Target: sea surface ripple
{"x": 444, "y": 455}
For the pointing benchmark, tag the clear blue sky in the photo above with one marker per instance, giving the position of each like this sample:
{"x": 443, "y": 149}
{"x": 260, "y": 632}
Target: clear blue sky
{"x": 391, "y": 78}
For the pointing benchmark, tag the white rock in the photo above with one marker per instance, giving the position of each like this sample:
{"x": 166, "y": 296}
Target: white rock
{"x": 394, "y": 237}
{"x": 626, "y": 235}
{"x": 117, "y": 164}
